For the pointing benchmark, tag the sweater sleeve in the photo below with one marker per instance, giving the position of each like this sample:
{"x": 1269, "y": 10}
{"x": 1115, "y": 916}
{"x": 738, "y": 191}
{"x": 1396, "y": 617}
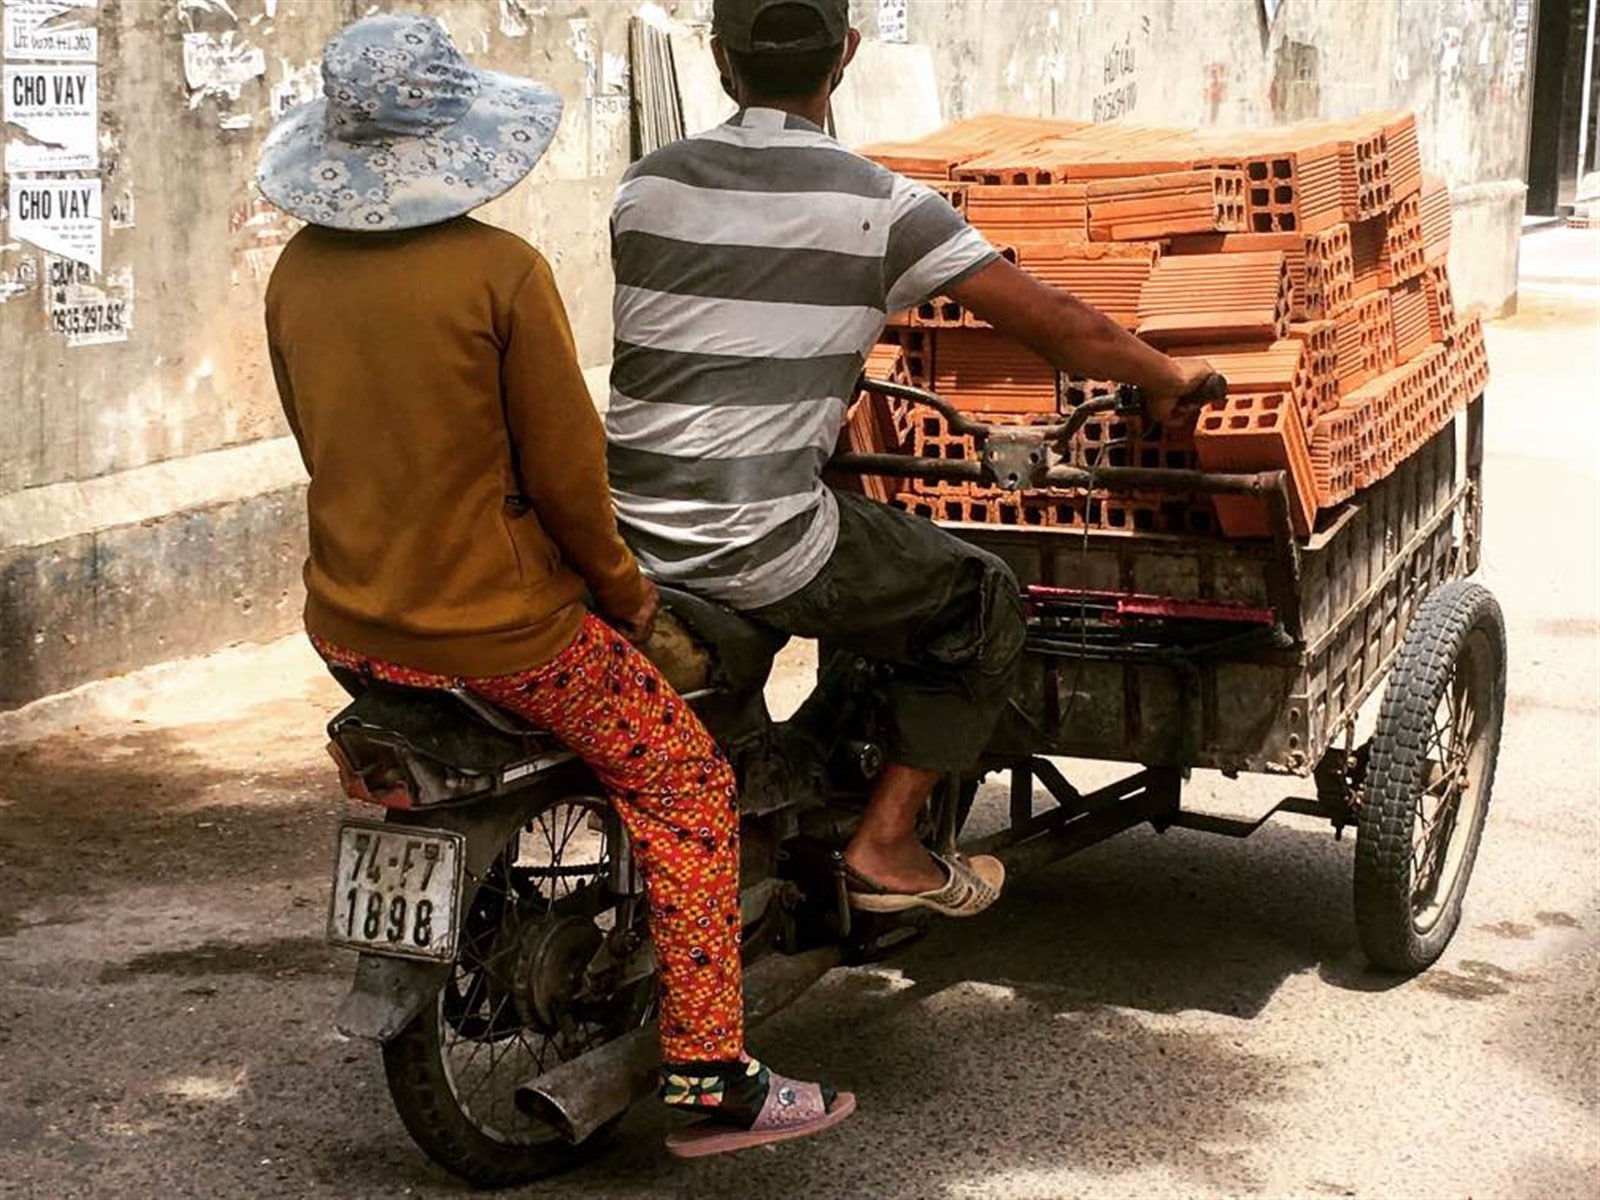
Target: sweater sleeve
{"x": 280, "y": 376}
{"x": 560, "y": 444}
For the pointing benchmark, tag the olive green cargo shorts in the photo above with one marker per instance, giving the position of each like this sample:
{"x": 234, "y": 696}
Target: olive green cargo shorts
{"x": 945, "y": 615}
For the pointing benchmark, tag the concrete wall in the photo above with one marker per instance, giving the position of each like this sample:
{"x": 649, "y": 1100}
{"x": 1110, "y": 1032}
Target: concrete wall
{"x": 127, "y": 468}
{"x": 148, "y": 499}
{"x": 1464, "y": 66}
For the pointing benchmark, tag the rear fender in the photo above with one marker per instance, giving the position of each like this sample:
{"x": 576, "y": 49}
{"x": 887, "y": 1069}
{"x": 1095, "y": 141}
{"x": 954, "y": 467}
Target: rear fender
{"x": 388, "y": 992}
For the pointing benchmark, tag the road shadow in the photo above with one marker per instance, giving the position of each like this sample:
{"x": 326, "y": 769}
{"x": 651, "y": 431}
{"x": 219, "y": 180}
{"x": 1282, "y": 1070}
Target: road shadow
{"x": 1037, "y": 1036}
{"x": 85, "y": 817}
{"x": 1042, "y": 1035}
{"x": 1167, "y": 923}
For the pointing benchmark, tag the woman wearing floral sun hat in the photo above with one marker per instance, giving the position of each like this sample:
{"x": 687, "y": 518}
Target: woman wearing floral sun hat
{"x": 458, "y": 501}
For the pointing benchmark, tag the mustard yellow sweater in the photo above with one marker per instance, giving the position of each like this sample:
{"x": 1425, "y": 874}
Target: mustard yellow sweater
{"x": 458, "y": 499}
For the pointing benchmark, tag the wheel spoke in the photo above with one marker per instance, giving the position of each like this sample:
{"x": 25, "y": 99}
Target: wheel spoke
{"x": 487, "y": 1075}
{"x": 1448, "y": 781}
{"x": 1466, "y": 733}
{"x": 1459, "y": 707}
{"x": 1443, "y": 720}
{"x": 574, "y": 813}
{"x": 491, "y": 1039}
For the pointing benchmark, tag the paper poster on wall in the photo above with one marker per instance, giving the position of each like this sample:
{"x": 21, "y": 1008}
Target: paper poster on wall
{"x": 892, "y": 25}
{"x": 119, "y": 213}
{"x": 54, "y": 114}
{"x": 61, "y": 216}
{"x": 295, "y": 86}
{"x": 51, "y": 30}
{"x": 85, "y": 313}
{"x": 219, "y": 66}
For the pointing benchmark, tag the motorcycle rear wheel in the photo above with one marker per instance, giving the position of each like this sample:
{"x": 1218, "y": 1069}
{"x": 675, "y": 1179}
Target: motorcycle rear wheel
{"x": 508, "y": 1012}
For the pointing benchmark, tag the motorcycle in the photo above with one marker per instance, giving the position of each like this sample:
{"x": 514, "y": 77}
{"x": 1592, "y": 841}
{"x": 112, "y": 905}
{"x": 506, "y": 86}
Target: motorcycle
{"x": 505, "y": 965}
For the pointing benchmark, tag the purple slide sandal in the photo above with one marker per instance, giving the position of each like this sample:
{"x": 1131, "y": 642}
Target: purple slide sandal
{"x": 792, "y": 1110}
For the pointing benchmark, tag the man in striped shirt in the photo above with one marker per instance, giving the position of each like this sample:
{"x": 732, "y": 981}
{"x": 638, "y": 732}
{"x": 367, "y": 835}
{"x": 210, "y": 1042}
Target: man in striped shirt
{"x": 755, "y": 266}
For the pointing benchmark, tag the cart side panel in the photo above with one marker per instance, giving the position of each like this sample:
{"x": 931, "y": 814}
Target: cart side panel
{"x": 1362, "y": 578}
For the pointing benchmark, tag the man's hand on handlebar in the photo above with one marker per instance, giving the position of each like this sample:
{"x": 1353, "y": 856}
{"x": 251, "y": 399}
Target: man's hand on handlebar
{"x": 1195, "y": 381}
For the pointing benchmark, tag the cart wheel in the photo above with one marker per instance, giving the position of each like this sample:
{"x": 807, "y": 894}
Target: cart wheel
{"x": 1429, "y": 776}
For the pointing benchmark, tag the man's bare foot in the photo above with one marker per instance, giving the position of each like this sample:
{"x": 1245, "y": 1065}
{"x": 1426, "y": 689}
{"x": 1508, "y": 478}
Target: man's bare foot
{"x": 902, "y": 866}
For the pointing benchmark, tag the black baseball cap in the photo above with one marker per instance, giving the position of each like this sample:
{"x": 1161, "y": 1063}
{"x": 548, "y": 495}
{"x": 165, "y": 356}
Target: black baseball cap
{"x": 734, "y": 21}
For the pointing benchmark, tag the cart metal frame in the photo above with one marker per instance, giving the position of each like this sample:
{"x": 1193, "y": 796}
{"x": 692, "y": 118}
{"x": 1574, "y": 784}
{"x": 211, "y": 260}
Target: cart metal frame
{"x": 1282, "y": 703}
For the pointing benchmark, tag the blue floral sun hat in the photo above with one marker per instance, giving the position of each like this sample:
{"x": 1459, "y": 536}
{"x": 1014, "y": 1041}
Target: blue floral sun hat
{"x": 406, "y": 132}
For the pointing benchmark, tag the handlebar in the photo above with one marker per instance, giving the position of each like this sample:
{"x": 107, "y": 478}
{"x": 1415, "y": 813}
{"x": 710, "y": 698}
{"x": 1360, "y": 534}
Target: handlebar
{"x": 1016, "y": 456}
{"x": 1128, "y": 401}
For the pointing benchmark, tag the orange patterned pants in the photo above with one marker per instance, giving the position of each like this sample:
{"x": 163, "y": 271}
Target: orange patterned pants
{"x": 676, "y": 795}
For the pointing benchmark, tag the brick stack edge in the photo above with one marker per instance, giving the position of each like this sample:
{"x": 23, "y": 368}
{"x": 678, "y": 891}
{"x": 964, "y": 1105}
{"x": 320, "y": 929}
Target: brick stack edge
{"x": 1307, "y": 262}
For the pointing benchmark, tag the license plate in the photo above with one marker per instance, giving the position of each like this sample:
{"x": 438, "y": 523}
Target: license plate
{"x": 395, "y": 890}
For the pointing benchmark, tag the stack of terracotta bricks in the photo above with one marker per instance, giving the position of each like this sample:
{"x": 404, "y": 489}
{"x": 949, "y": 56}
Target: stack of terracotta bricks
{"x": 1307, "y": 263}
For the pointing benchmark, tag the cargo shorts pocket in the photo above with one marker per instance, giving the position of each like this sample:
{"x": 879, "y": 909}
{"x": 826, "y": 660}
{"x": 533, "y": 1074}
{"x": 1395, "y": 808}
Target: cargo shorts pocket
{"x": 982, "y": 628}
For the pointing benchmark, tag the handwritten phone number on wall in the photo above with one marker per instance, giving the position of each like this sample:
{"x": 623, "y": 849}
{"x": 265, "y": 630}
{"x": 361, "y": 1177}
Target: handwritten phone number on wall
{"x": 109, "y": 316}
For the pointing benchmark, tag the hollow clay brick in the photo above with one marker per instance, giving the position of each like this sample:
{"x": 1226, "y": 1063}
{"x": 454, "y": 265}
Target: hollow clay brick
{"x": 1084, "y": 153}
{"x": 936, "y": 156}
{"x": 1412, "y": 328}
{"x": 916, "y": 347}
{"x": 1369, "y": 256}
{"x": 1364, "y": 183}
{"x": 1353, "y": 352}
{"x": 1211, "y": 298}
{"x": 1405, "y": 158}
{"x": 1322, "y": 356}
{"x": 1335, "y": 451}
{"x": 1283, "y": 366}
{"x": 1434, "y": 206}
{"x": 1153, "y": 206}
{"x": 1469, "y": 363}
{"x": 1260, "y": 432}
{"x": 1047, "y": 214}
{"x": 1403, "y": 249}
{"x": 1376, "y": 314}
{"x": 978, "y": 370}
{"x": 1108, "y": 275}
{"x": 1441, "y": 307}
{"x": 1292, "y": 178}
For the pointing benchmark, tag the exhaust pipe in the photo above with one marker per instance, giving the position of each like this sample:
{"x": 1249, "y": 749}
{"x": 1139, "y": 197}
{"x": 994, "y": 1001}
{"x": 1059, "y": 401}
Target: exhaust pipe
{"x": 580, "y": 1096}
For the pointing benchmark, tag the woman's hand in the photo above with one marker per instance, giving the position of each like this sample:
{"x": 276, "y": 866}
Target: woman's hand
{"x": 637, "y": 625}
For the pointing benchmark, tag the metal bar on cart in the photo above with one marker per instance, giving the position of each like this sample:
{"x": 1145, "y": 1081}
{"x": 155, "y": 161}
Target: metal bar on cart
{"x": 1271, "y": 486}
{"x": 1137, "y": 604}
{"x": 1148, "y": 795}
{"x": 1474, "y": 524}
{"x": 1111, "y": 479}
{"x": 1236, "y": 827}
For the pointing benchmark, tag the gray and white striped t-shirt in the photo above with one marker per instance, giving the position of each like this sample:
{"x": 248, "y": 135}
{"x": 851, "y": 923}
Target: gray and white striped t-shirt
{"x": 755, "y": 265}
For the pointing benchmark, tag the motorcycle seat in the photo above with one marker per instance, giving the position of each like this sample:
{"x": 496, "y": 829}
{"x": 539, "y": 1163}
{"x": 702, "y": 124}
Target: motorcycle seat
{"x": 453, "y": 727}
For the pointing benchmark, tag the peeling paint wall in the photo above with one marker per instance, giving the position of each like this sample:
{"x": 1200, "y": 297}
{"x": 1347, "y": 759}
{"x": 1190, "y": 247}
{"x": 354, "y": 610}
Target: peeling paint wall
{"x": 187, "y": 90}
{"x": 1463, "y": 65}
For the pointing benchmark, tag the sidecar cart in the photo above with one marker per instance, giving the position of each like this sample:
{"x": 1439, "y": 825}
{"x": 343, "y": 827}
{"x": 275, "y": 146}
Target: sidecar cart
{"x": 1191, "y": 650}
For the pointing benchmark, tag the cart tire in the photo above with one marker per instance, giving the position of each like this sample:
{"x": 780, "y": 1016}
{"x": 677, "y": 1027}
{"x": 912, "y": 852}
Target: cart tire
{"x": 1437, "y": 739}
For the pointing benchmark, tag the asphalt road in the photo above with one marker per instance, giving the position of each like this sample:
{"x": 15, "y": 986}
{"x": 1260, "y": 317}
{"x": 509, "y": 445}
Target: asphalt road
{"x": 1175, "y": 1015}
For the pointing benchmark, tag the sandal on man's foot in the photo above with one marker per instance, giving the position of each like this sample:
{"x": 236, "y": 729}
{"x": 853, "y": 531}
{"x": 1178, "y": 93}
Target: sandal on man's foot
{"x": 971, "y": 885}
{"x": 788, "y": 1108}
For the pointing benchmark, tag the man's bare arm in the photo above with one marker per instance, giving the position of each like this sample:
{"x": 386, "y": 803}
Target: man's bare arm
{"x": 1076, "y": 338}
